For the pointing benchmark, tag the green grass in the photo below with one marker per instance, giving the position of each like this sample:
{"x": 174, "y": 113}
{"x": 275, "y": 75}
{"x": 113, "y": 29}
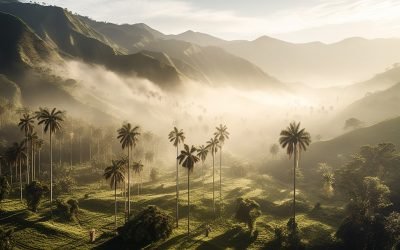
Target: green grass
{"x": 39, "y": 231}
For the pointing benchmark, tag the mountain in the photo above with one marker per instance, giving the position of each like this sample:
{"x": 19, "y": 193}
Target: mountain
{"x": 375, "y": 107}
{"x": 319, "y": 64}
{"x": 198, "y": 38}
{"x": 208, "y": 64}
{"x": 20, "y": 48}
{"x": 74, "y": 39}
{"x": 337, "y": 150}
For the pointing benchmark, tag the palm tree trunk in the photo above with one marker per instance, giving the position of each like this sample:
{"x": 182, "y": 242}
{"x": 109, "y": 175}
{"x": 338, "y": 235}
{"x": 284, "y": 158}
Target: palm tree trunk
{"x": 11, "y": 179}
{"x": 27, "y": 158}
{"x": 213, "y": 183}
{"x": 129, "y": 185}
{"x": 188, "y": 185}
{"x": 80, "y": 149}
{"x": 220, "y": 181}
{"x": 177, "y": 187}
{"x": 60, "y": 152}
{"x": 294, "y": 186}
{"x": 125, "y": 200}
{"x": 32, "y": 162}
{"x": 39, "y": 161}
{"x": 115, "y": 203}
{"x": 51, "y": 175}
{"x": 20, "y": 179}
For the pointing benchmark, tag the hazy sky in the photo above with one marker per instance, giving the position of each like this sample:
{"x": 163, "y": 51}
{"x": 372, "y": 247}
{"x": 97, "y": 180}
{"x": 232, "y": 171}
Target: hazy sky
{"x": 291, "y": 20}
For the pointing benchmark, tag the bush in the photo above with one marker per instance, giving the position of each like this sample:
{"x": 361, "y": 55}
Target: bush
{"x": 67, "y": 210}
{"x": 154, "y": 174}
{"x": 247, "y": 211}
{"x": 6, "y": 239}
{"x": 34, "y": 194}
{"x": 64, "y": 185}
{"x": 4, "y": 188}
{"x": 150, "y": 225}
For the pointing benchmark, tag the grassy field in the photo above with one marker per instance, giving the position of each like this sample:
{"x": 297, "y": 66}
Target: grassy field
{"x": 96, "y": 202}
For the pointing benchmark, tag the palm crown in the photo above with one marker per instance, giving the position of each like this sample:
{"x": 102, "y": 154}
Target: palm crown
{"x": 128, "y": 136}
{"x": 176, "y": 136}
{"x": 115, "y": 172}
{"x": 222, "y": 133}
{"x": 137, "y": 167}
{"x": 187, "y": 158}
{"x": 212, "y": 144}
{"x": 26, "y": 123}
{"x": 51, "y": 120}
{"x": 202, "y": 152}
{"x": 294, "y": 137}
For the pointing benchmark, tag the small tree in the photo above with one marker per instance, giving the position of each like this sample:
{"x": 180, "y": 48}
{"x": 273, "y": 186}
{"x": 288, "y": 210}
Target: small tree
{"x": 274, "y": 149}
{"x": 4, "y": 188}
{"x": 248, "y": 211}
{"x": 34, "y": 194}
{"x": 154, "y": 174}
{"x": 150, "y": 225}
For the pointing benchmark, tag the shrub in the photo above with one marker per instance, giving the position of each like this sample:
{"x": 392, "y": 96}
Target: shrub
{"x": 154, "y": 174}
{"x": 64, "y": 185}
{"x": 34, "y": 194}
{"x": 67, "y": 210}
{"x": 247, "y": 211}
{"x": 4, "y": 188}
{"x": 150, "y": 225}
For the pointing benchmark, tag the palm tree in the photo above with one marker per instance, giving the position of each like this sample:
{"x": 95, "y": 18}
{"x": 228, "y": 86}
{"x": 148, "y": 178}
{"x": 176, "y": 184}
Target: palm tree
{"x": 128, "y": 137}
{"x": 187, "y": 159}
{"x": 52, "y": 123}
{"x": 177, "y": 136}
{"x": 202, "y": 153}
{"x": 18, "y": 153}
{"x": 294, "y": 140}
{"x": 138, "y": 168}
{"x": 38, "y": 146}
{"x": 221, "y": 134}
{"x": 33, "y": 137}
{"x": 116, "y": 174}
{"x": 212, "y": 144}
{"x": 26, "y": 124}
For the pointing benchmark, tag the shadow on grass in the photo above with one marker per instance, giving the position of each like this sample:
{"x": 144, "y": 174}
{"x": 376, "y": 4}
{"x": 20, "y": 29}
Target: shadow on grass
{"x": 235, "y": 238}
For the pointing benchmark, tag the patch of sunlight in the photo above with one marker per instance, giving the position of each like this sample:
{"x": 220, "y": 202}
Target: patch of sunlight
{"x": 280, "y": 202}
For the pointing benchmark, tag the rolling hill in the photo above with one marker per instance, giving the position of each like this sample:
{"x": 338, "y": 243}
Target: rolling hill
{"x": 337, "y": 150}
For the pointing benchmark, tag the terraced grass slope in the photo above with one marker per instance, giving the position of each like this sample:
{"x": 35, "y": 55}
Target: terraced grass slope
{"x": 96, "y": 202}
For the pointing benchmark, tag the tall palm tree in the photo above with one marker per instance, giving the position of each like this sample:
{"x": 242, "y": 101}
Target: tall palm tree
{"x": 138, "y": 168}
{"x": 128, "y": 137}
{"x": 32, "y": 137}
{"x": 202, "y": 153}
{"x": 52, "y": 123}
{"x": 116, "y": 174}
{"x": 18, "y": 154}
{"x": 212, "y": 144}
{"x": 26, "y": 124}
{"x": 221, "y": 134}
{"x": 294, "y": 140}
{"x": 39, "y": 145}
{"x": 187, "y": 159}
{"x": 177, "y": 136}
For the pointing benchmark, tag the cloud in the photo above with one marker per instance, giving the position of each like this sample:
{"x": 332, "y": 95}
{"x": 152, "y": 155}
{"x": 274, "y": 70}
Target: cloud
{"x": 175, "y": 16}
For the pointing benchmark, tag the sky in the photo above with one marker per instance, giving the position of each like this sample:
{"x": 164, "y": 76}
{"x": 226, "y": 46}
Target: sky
{"x": 291, "y": 20}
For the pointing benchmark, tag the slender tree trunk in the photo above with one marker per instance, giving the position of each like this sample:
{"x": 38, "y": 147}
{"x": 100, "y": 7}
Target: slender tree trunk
{"x": 294, "y": 186}
{"x": 51, "y": 175}
{"x": 115, "y": 203}
{"x": 188, "y": 185}
{"x": 125, "y": 200}
{"x": 20, "y": 179}
{"x": 39, "y": 160}
{"x": 220, "y": 181}
{"x": 11, "y": 171}
{"x": 129, "y": 185}
{"x": 177, "y": 187}
{"x": 70, "y": 155}
{"x": 32, "y": 162}
{"x": 60, "y": 152}
{"x": 90, "y": 145}
{"x": 27, "y": 158}
{"x": 80, "y": 149}
{"x": 213, "y": 182}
